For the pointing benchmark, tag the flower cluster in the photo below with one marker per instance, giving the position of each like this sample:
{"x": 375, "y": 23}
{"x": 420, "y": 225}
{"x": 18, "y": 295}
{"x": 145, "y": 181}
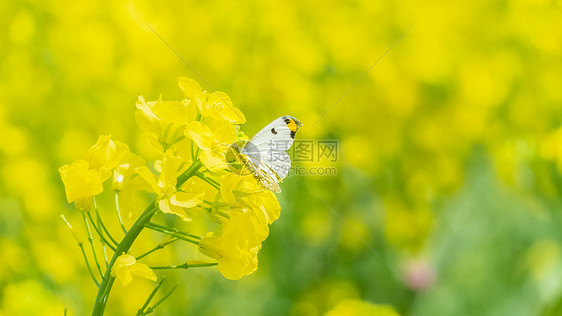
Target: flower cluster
{"x": 242, "y": 207}
{"x": 193, "y": 136}
{"x": 250, "y": 210}
{"x": 83, "y": 179}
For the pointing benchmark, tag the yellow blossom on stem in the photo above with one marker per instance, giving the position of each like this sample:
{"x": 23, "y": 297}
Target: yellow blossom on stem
{"x": 243, "y": 193}
{"x": 169, "y": 198}
{"x": 236, "y": 249}
{"x": 233, "y": 185}
{"x": 264, "y": 205}
{"x": 214, "y": 139}
{"x": 216, "y": 105}
{"x": 126, "y": 266}
{"x": 80, "y": 182}
{"x": 164, "y": 121}
{"x": 219, "y": 106}
{"x": 125, "y": 176}
{"x": 106, "y": 154}
{"x": 192, "y": 91}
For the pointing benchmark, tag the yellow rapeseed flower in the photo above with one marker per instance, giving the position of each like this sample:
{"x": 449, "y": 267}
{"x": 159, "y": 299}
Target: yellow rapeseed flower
{"x": 213, "y": 138}
{"x": 169, "y": 198}
{"x": 216, "y": 105}
{"x": 244, "y": 194}
{"x": 236, "y": 248}
{"x": 125, "y": 176}
{"x": 106, "y": 155}
{"x": 164, "y": 121}
{"x": 233, "y": 185}
{"x": 80, "y": 182}
{"x": 126, "y": 266}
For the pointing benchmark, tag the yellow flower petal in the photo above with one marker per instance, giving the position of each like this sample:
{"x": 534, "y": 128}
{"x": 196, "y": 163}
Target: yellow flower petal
{"x": 145, "y": 118}
{"x": 170, "y": 167}
{"x": 178, "y": 112}
{"x": 213, "y": 160}
{"x": 235, "y": 269}
{"x": 189, "y": 86}
{"x": 150, "y": 178}
{"x": 126, "y": 266}
{"x": 192, "y": 91}
{"x": 187, "y": 199}
{"x": 234, "y": 183}
{"x": 80, "y": 181}
{"x": 120, "y": 269}
{"x": 223, "y": 131}
{"x": 201, "y": 135}
{"x": 106, "y": 153}
{"x": 143, "y": 271}
{"x": 228, "y": 184}
{"x": 264, "y": 204}
{"x": 125, "y": 176}
{"x": 237, "y": 247}
{"x": 124, "y": 276}
{"x": 219, "y": 105}
{"x": 167, "y": 207}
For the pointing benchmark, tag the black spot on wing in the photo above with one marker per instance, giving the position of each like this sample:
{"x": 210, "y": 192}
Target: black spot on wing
{"x": 274, "y": 131}
{"x": 286, "y": 120}
{"x": 293, "y": 134}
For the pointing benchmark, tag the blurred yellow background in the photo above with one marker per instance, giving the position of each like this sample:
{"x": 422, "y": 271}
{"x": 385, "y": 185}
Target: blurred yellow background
{"x": 450, "y": 148}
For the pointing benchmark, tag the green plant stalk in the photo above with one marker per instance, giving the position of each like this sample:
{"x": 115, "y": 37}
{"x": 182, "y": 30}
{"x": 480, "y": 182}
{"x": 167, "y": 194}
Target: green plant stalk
{"x": 158, "y": 247}
{"x": 186, "y": 266}
{"x": 99, "y": 232}
{"x": 153, "y": 307}
{"x": 175, "y": 230}
{"x": 104, "y": 249}
{"x": 127, "y": 242}
{"x": 91, "y": 241}
{"x": 172, "y": 233}
{"x": 210, "y": 181}
{"x": 102, "y": 225}
{"x": 88, "y": 264}
{"x": 149, "y": 299}
{"x": 119, "y": 212}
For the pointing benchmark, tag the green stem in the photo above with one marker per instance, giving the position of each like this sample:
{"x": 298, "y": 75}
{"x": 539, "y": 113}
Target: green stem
{"x": 186, "y": 266}
{"x": 88, "y": 264}
{"x": 81, "y": 245}
{"x": 99, "y": 232}
{"x": 102, "y": 225}
{"x": 210, "y": 181}
{"x": 119, "y": 212}
{"x": 192, "y": 152}
{"x": 159, "y": 246}
{"x": 127, "y": 242}
{"x": 149, "y": 299}
{"x": 103, "y": 248}
{"x": 172, "y": 233}
{"x": 91, "y": 241}
{"x": 189, "y": 173}
{"x": 175, "y": 230}
{"x": 221, "y": 213}
{"x": 151, "y": 309}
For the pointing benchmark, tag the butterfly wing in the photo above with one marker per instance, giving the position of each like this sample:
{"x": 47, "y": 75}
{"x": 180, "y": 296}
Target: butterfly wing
{"x": 266, "y": 151}
{"x": 269, "y": 181}
{"x": 279, "y": 133}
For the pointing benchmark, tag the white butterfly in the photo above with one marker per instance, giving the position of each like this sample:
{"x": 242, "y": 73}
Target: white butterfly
{"x": 265, "y": 155}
